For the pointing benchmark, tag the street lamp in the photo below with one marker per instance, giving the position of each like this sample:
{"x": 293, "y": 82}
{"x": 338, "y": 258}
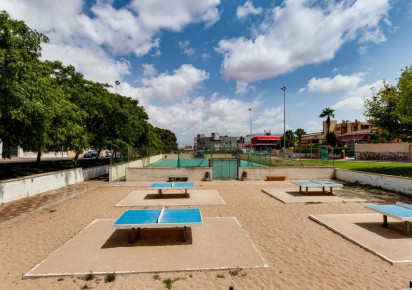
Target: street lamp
{"x": 117, "y": 83}
{"x": 353, "y": 136}
{"x": 250, "y": 109}
{"x": 284, "y": 121}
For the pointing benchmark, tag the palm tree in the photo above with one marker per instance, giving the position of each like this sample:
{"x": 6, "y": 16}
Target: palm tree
{"x": 289, "y": 137}
{"x": 328, "y": 112}
{"x": 299, "y": 132}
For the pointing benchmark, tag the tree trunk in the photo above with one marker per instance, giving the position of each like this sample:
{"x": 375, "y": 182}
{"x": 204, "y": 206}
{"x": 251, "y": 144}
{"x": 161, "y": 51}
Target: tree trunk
{"x": 39, "y": 152}
{"x": 76, "y": 157}
{"x": 98, "y": 153}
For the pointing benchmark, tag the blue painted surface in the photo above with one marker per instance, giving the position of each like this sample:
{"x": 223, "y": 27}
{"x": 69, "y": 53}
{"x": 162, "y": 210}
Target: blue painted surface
{"x": 150, "y": 216}
{"x": 324, "y": 182}
{"x": 393, "y": 210}
{"x": 183, "y": 216}
{"x": 133, "y": 217}
{"x": 169, "y": 185}
{"x": 304, "y": 183}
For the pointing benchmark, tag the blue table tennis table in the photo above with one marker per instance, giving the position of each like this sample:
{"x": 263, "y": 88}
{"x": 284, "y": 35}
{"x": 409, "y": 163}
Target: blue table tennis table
{"x": 317, "y": 183}
{"x": 399, "y": 211}
{"x": 170, "y": 185}
{"x": 158, "y": 218}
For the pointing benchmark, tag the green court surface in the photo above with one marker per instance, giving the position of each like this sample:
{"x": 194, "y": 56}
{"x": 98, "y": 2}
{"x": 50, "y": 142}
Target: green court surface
{"x": 195, "y": 163}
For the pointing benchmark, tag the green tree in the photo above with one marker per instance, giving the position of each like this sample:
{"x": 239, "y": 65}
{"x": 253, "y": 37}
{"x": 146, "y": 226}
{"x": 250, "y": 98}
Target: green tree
{"x": 290, "y": 138}
{"x": 382, "y": 110}
{"x": 328, "y": 113}
{"x": 331, "y": 139}
{"x": 299, "y": 132}
{"x": 19, "y": 52}
{"x": 168, "y": 139}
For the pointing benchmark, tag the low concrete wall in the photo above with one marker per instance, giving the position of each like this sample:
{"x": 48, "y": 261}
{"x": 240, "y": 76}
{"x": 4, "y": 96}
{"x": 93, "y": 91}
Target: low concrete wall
{"x": 399, "y": 184}
{"x": 384, "y": 151}
{"x": 119, "y": 171}
{"x": 18, "y": 188}
{"x": 291, "y": 173}
{"x": 163, "y": 173}
{"x": 93, "y": 172}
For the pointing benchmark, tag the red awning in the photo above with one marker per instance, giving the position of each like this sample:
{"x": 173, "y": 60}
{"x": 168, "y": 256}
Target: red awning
{"x": 350, "y": 138}
{"x": 275, "y": 138}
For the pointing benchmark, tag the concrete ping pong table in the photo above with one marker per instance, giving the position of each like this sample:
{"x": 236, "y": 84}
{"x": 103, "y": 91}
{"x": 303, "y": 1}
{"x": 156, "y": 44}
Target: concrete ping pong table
{"x": 158, "y": 218}
{"x": 400, "y": 211}
{"x": 317, "y": 183}
{"x": 169, "y": 185}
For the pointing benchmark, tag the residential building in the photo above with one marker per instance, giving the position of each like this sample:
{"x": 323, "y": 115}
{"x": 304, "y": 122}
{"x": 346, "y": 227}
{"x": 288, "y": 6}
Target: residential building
{"x": 346, "y": 132}
{"x": 215, "y": 141}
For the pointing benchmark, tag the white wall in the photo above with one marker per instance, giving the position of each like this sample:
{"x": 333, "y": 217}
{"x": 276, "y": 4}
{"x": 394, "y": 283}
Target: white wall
{"x": 92, "y": 172}
{"x": 380, "y": 180}
{"x": 291, "y": 173}
{"x": 18, "y": 188}
{"x": 119, "y": 171}
{"x": 28, "y": 186}
{"x": 163, "y": 173}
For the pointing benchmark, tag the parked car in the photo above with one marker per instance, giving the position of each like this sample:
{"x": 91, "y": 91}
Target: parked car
{"x": 90, "y": 154}
{"x": 108, "y": 154}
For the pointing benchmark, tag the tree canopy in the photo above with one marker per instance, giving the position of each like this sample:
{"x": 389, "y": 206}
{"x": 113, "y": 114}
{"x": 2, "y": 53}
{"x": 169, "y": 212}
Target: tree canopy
{"x": 46, "y": 105}
{"x": 390, "y": 108}
{"x": 328, "y": 113}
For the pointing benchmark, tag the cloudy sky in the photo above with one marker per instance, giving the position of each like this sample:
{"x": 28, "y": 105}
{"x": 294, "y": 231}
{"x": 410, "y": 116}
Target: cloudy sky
{"x": 198, "y": 66}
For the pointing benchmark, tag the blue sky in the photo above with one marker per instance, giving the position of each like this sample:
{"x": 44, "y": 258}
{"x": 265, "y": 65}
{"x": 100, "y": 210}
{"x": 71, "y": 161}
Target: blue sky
{"x": 198, "y": 66}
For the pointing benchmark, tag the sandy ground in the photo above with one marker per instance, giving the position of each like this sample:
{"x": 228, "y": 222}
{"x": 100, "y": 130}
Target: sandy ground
{"x": 301, "y": 254}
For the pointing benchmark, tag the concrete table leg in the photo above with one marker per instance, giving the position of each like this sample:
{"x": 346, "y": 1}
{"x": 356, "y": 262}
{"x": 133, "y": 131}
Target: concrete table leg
{"x": 385, "y": 221}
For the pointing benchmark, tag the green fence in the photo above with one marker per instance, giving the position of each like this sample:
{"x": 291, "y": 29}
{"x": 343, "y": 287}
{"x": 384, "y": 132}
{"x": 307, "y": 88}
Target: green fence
{"x": 225, "y": 169}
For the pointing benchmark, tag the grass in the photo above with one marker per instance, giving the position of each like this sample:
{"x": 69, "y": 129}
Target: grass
{"x": 156, "y": 277}
{"x": 220, "y": 276}
{"x": 89, "y": 276}
{"x": 388, "y": 168}
{"x": 313, "y": 202}
{"x": 110, "y": 277}
{"x": 169, "y": 281}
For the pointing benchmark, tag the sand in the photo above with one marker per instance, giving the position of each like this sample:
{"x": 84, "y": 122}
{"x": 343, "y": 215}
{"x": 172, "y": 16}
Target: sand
{"x": 300, "y": 253}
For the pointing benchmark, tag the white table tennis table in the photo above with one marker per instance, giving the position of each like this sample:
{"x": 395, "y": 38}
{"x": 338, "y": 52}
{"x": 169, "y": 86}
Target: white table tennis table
{"x": 169, "y": 185}
{"x": 158, "y": 218}
{"x": 399, "y": 211}
{"x": 317, "y": 184}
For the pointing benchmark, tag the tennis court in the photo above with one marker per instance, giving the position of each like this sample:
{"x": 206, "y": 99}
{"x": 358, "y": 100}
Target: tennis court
{"x": 196, "y": 162}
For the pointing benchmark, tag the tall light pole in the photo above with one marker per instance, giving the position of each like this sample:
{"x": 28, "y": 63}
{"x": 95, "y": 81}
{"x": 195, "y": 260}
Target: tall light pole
{"x": 284, "y": 121}
{"x": 353, "y": 136}
{"x": 250, "y": 109}
{"x": 117, "y": 83}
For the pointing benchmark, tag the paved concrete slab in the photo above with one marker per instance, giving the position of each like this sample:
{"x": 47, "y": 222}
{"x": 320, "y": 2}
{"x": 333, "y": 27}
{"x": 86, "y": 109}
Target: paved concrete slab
{"x": 149, "y": 198}
{"x": 389, "y": 243}
{"x": 287, "y": 195}
{"x": 220, "y": 243}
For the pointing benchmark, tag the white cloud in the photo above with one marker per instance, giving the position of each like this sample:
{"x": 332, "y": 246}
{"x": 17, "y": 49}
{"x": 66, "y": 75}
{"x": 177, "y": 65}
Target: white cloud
{"x": 270, "y": 116}
{"x": 109, "y": 31}
{"x": 217, "y": 114}
{"x": 168, "y": 87}
{"x": 301, "y": 90}
{"x": 184, "y": 46}
{"x": 313, "y": 127}
{"x": 93, "y": 62}
{"x": 300, "y": 33}
{"x": 246, "y": 9}
{"x": 300, "y": 104}
{"x": 149, "y": 70}
{"x": 205, "y": 56}
{"x": 339, "y": 82}
{"x": 354, "y": 99}
{"x": 174, "y": 15}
